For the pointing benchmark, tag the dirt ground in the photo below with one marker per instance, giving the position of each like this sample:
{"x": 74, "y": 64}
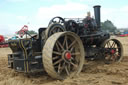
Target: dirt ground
{"x": 93, "y": 73}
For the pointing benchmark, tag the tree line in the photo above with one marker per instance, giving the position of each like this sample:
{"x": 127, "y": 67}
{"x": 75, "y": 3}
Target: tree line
{"x": 108, "y": 26}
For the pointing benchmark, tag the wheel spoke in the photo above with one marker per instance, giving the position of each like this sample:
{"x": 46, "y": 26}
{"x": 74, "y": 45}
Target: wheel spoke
{"x": 72, "y": 43}
{"x": 108, "y": 44}
{"x": 74, "y": 64}
{"x": 71, "y": 49}
{"x": 57, "y": 47}
{"x": 69, "y": 67}
{"x": 65, "y": 38}
{"x": 59, "y": 67}
{"x": 57, "y": 62}
{"x": 66, "y": 70}
{"x": 113, "y": 44}
{"x": 117, "y": 55}
{"x": 58, "y": 53}
{"x": 60, "y": 45}
{"x": 116, "y": 51}
{"x": 76, "y": 53}
{"x": 72, "y": 58}
{"x": 66, "y": 43}
{"x": 56, "y": 57}
{"x": 114, "y": 57}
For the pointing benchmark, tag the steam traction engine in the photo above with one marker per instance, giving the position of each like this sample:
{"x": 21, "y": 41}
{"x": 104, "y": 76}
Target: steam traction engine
{"x": 61, "y": 48}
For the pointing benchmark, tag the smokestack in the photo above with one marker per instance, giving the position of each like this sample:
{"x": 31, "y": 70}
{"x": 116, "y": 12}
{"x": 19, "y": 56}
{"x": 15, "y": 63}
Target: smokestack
{"x": 97, "y": 14}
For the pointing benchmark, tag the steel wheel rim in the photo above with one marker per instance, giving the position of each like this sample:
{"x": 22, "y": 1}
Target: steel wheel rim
{"x": 115, "y": 53}
{"x": 63, "y": 65}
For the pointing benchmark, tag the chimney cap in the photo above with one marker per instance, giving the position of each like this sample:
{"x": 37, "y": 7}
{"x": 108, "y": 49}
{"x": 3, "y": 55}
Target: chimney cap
{"x": 96, "y": 6}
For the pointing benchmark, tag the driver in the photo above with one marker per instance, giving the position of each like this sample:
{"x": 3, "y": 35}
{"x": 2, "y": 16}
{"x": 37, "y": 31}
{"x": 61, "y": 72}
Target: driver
{"x": 89, "y": 23}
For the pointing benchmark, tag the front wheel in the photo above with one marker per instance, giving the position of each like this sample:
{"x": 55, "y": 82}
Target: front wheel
{"x": 113, "y": 50}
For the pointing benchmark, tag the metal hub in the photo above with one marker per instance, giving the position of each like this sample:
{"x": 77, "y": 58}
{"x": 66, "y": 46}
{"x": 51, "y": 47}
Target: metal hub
{"x": 112, "y": 51}
{"x": 68, "y": 55}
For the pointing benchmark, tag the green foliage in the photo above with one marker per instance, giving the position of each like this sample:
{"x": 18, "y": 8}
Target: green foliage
{"x": 31, "y": 32}
{"x": 108, "y": 26}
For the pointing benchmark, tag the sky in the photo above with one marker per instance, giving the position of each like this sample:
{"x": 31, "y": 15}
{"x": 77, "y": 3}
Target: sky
{"x": 37, "y": 13}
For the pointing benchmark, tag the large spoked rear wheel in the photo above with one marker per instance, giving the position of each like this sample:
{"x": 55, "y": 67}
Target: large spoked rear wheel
{"x": 113, "y": 51}
{"x": 63, "y": 55}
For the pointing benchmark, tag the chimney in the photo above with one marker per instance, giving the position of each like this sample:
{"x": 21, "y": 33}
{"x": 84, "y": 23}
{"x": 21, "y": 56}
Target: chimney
{"x": 97, "y": 14}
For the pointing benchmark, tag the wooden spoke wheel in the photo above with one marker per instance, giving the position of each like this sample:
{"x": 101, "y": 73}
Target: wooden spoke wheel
{"x": 63, "y": 55}
{"x": 113, "y": 51}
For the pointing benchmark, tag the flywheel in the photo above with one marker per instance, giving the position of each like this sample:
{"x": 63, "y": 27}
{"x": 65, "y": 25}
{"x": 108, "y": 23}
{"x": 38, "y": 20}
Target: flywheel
{"x": 63, "y": 55}
{"x": 113, "y": 50}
